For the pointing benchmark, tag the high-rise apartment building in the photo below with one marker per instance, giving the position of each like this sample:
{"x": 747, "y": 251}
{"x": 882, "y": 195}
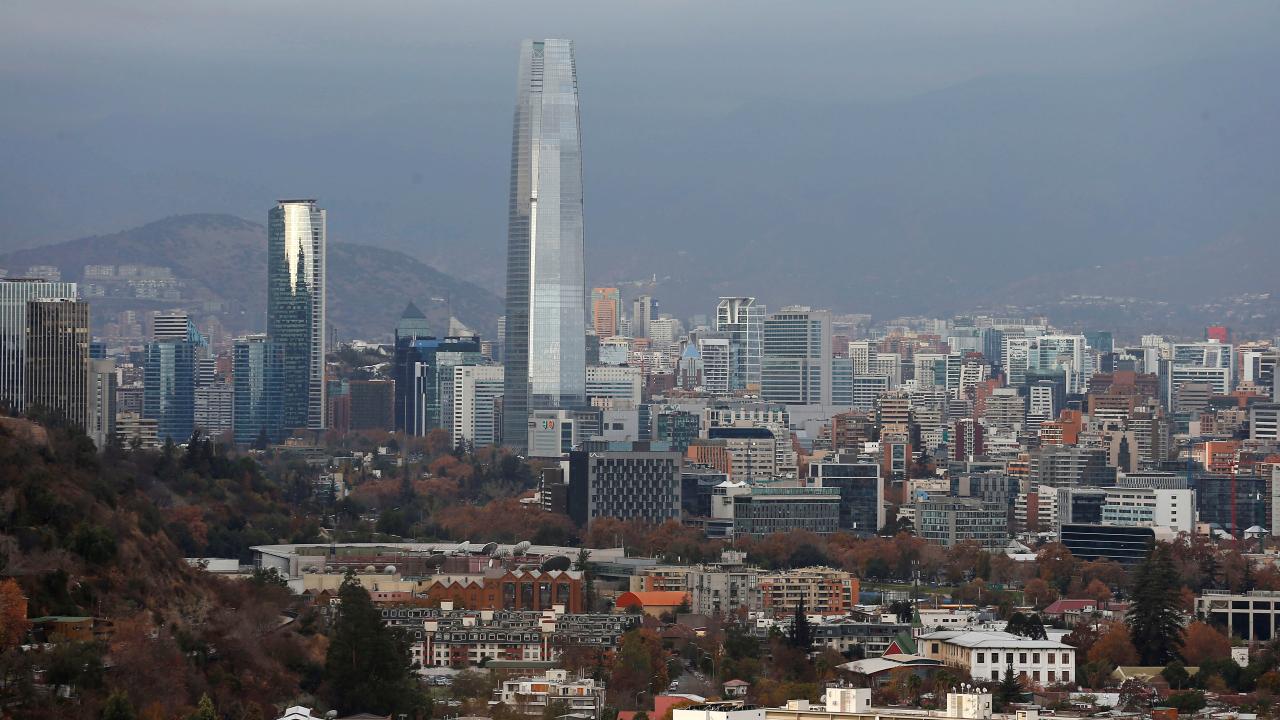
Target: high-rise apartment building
{"x": 606, "y": 310}
{"x": 14, "y": 296}
{"x": 796, "y": 361}
{"x": 57, "y": 358}
{"x": 644, "y": 310}
{"x": 258, "y": 369}
{"x": 545, "y": 355}
{"x": 296, "y": 242}
{"x": 717, "y": 360}
{"x": 214, "y": 413}
{"x": 742, "y": 320}
{"x": 102, "y": 401}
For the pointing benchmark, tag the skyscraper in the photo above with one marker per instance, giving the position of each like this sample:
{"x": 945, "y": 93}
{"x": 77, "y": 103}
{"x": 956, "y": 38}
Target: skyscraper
{"x": 169, "y": 385}
{"x": 605, "y": 309}
{"x": 14, "y": 296}
{"x": 742, "y": 319}
{"x": 57, "y": 358}
{"x": 545, "y": 354}
{"x": 296, "y": 308}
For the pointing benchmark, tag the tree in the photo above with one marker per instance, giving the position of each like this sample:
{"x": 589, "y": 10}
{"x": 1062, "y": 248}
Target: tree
{"x": 205, "y": 710}
{"x": 1009, "y": 690}
{"x": 1039, "y": 593}
{"x": 1027, "y": 626}
{"x": 1154, "y": 621}
{"x": 118, "y": 707}
{"x": 1186, "y": 702}
{"x": 1175, "y": 673}
{"x": 1202, "y": 642}
{"x": 1115, "y": 647}
{"x": 13, "y": 614}
{"x": 801, "y": 636}
{"x": 1098, "y": 590}
{"x": 367, "y": 666}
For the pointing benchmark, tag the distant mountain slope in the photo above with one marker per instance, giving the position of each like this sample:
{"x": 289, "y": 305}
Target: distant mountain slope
{"x": 223, "y": 259}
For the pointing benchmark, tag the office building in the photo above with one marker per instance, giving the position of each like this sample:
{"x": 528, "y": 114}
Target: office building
{"x": 1126, "y": 545}
{"x": 296, "y": 250}
{"x": 15, "y": 294}
{"x": 1253, "y": 616}
{"x": 1063, "y": 466}
{"x": 764, "y": 510}
{"x": 214, "y": 413}
{"x": 949, "y": 521}
{"x": 796, "y": 360}
{"x": 57, "y": 359}
{"x": 552, "y": 433}
{"x": 637, "y": 484}
{"x": 423, "y": 368}
{"x": 987, "y": 655}
{"x": 258, "y": 368}
{"x": 606, "y": 310}
{"x": 169, "y": 388}
{"x": 861, "y": 492}
{"x": 610, "y": 386}
{"x": 1264, "y": 422}
{"x": 741, "y": 319}
{"x": 1232, "y": 502}
{"x": 644, "y": 310}
{"x": 477, "y": 390}
{"x": 717, "y": 364}
{"x": 372, "y": 404}
{"x": 545, "y": 355}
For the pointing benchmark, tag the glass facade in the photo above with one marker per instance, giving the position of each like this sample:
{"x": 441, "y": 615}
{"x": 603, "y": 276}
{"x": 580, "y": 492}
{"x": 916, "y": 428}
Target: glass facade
{"x": 169, "y": 385}
{"x": 546, "y": 285}
{"x": 742, "y": 319}
{"x": 296, "y": 308}
{"x": 14, "y": 296}
{"x": 257, "y": 365}
{"x": 424, "y": 369}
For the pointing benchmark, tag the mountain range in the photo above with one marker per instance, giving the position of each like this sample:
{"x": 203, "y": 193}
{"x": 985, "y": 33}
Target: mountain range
{"x": 221, "y": 263}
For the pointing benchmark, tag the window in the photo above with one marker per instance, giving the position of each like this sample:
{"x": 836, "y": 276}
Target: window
{"x": 1008, "y": 658}
{"x": 1052, "y": 675}
{"x": 1051, "y": 660}
{"x": 981, "y": 658}
{"x": 1035, "y": 675}
{"x": 1035, "y": 658}
{"x": 1066, "y": 676}
{"x": 1022, "y": 658}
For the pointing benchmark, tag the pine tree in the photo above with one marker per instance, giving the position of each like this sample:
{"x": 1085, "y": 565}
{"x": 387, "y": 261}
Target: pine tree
{"x": 801, "y": 635}
{"x": 1010, "y": 690}
{"x": 367, "y": 668}
{"x": 1155, "y": 623}
{"x": 205, "y": 710}
{"x": 118, "y": 707}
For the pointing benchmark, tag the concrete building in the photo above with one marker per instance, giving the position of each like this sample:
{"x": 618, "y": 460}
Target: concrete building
{"x": 214, "y": 413}
{"x": 824, "y": 591}
{"x": 606, "y": 310}
{"x": 1253, "y": 616}
{"x": 949, "y": 521}
{"x": 533, "y": 695}
{"x": 636, "y": 484}
{"x": 717, "y": 365}
{"x": 986, "y": 655}
{"x": 796, "y": 357}
{"x": 477, "y": 390}
{"x": 56, "y": 358}
{"x": 610, "y": 386}
{"x": 768, "y": 509}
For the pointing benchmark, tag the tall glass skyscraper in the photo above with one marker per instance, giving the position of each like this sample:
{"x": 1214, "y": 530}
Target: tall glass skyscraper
{"x": 169, "y": 388}
{"x": 546, "y": 282}
{"x": 296, "y": 308}
{"x": 742, "y": 319}
{"x": 14, "y": 296}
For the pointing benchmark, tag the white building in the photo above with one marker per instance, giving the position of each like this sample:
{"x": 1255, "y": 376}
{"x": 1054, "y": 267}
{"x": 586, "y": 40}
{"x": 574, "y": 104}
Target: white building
{"x": 475, "y": 388}
{"x": 986, "y": 655}
{"x": 612, "y": 386}
{"x": 1151, "y": 507}
{"x": 530, "y": 695}
{"x": 717, "y": 360}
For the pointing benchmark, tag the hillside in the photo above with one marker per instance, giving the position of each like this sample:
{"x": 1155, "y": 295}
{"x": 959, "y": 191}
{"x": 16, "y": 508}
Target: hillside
{"x": 221, "y": 260}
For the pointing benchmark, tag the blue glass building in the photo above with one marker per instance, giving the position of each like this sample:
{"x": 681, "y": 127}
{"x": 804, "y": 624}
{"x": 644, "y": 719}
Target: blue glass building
{"x": 258, "y": 368}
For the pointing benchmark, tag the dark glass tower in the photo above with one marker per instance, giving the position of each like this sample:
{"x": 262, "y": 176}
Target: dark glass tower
{"x": 546, "y": 284}
{"x": 169, "y": 386}
{"x": 258, "y": 366}
{"x": 296, "y": 308}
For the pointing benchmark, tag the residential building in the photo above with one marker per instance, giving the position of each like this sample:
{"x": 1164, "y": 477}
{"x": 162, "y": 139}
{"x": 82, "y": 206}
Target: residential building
{"x": 102, "y": 401}
{"x": 296, "y": 314}
{"x": 214, "y": 409}
{"x": 533, "y": 696}
{"x": 606, "y": 311}
{"x": 742, "y": 320}
{"x": 717, "y": 364}
{"x": 822, "y": 590}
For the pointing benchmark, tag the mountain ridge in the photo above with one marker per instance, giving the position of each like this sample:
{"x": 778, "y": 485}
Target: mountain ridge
{"x": 221, "y": 261}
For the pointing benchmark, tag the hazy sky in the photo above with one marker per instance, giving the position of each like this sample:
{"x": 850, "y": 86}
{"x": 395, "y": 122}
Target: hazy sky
{"x": 397, "y": 115}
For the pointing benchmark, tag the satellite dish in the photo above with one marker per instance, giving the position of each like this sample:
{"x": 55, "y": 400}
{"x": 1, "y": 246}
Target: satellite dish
{"x": 489, "y": 548}
{"x": 464, "y": 546}
{"x": 370, "y": 569}
{"x": 559, "y": 562}
{"x": 521, "y": 547}
{"x": 389, "y": 570}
